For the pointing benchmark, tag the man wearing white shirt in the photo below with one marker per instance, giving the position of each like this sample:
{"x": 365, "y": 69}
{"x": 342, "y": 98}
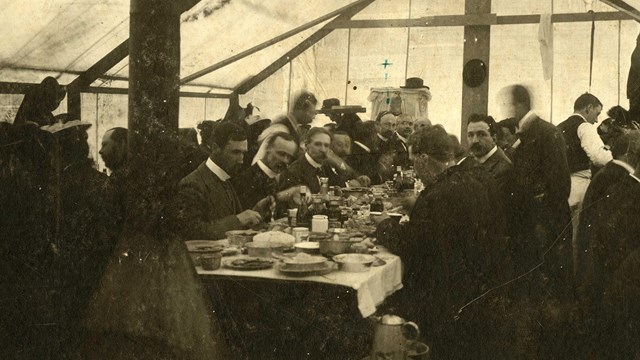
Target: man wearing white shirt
{"x": 584, "y": 145}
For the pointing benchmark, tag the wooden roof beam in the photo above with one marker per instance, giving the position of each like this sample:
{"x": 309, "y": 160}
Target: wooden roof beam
{"x": 477, "y": 19}
{"x": 265, "y": 44}
{"x": 624, "y": 7}
{"x": 348, "y": 12}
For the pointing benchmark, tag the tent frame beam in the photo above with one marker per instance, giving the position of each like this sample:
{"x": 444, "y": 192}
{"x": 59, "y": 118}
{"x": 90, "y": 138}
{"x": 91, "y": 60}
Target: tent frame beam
{"x": 624, "y": 7}
{"x": 267, "y": 43}
{"x": 252, "y": 82}
{"x": 478, "y": 20}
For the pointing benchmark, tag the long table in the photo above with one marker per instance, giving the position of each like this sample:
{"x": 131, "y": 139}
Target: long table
{"x": 267, "y": 314}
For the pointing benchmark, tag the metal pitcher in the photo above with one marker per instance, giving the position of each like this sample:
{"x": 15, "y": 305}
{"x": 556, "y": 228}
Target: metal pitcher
{"x": 391, "y": 334}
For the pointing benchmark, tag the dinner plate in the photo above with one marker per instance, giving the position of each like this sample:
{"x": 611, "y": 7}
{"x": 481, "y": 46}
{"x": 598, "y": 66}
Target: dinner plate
{"x": 322, "y": 269}
{"x": 249, "y": 263}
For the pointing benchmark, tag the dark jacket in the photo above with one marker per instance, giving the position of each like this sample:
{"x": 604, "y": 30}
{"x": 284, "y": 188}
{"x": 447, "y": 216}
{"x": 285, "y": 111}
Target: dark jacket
{"x": 301, "y": 172}
{"x": 602, "y": 195}
{"x": 577, "y": 158}
{"x": 541, "y": 210}
{"x": 365, "y": 162}
{"x": 206, "y": 206}
{"x": 449, "y": 252}
{"x": 253, "y": 185}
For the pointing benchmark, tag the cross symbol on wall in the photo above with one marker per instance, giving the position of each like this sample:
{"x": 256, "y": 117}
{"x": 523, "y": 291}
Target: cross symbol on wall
{"x": 386, "y": 63}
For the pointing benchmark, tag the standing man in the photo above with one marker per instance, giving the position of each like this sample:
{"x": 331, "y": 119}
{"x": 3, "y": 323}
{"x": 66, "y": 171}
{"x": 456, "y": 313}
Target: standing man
{"x": 482, "y": 133}
{"x": 207, "y": 204}
{"x": 295, "y": 123}
{"x": 113, "y": 149}
{"x": 584, "y": 145}
{"x": 542, "y": 186}
{"x": 404, "y": 129}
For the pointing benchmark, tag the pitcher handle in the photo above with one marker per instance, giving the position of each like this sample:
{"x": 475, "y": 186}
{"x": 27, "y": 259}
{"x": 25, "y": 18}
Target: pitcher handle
{"x": 410, "y": 330}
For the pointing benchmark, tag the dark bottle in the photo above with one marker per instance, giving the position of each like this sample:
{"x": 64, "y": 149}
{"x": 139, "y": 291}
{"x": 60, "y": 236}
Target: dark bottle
{"x": 303, "y": 217}
{"x": 317, "y": 206}
{"x": 377, "y": 204}
{"x": 398, "y": 178}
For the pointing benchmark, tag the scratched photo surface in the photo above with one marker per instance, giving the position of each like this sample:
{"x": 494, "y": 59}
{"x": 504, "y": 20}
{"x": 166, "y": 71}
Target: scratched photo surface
{"x": 109, "y": 163}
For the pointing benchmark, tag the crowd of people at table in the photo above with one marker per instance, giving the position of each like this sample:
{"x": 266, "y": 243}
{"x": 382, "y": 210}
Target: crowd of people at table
{"x": 529, "y": 213}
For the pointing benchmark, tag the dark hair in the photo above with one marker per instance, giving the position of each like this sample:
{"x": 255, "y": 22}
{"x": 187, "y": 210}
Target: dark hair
{"x": 365, "y": 131}
{"x": 226, "y": 132}
{"x": 304, "y": 100}
{"x": 493, "y": 128}
{"x": 520, "y": 95}
{"x": 509, "y": 123}
{"x": 433, "y": 141}
{"x": 585, "y": 100}
{"x": 119, "y": 134}
{"x": 315, "y": 131}
{"x": 627, "y": 144}
{"x": 206, "y": 128}
{"x": 280, "y": 135}
{"x": 383, "y": 113}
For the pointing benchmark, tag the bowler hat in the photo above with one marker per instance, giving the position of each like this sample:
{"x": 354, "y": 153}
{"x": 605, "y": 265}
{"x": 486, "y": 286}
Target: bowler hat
{"x": 414, "y": 83}
{"x": 327, "y": 104}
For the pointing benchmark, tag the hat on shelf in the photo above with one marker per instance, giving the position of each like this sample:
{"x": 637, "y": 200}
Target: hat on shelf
{"x": 414, "y": 83}
{"x": 327, "y": 104}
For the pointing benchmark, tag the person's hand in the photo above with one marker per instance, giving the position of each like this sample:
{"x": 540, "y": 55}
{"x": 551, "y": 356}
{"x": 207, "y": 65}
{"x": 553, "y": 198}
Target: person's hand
{"x": 265, "y": 206}
{"x": 364, "y": 180}
{"x": 249, "y": 218}
{"x": 291, "y": 196}
{"x": 354, "y": 183}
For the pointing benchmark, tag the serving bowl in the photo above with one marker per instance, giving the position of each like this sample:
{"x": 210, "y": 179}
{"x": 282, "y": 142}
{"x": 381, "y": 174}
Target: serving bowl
{"x": 309, "y": 247}
{"x": 302, "y": 261}
{"x": 354, "y": 262}
{"x": 240, "y": 237}
{"x": 199, "y": 248}
{"x": 263, "y": 249}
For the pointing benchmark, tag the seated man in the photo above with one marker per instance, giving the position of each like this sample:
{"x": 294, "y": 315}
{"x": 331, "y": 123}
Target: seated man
{"x": 448, "y": 247}
{"x": 308, "y": 169}
{"x": 365, "y": 154}
{"x": 403, "y": 131}
{"x": 259, "y": 181}
{"x": 207, "y": 204}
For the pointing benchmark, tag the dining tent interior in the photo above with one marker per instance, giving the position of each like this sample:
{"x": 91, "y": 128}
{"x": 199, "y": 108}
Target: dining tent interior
{"x": 214, "y": 53}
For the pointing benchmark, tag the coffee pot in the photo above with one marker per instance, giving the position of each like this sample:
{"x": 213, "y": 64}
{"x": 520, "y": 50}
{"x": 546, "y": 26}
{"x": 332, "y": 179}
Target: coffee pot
{"x": 391, "y": 334}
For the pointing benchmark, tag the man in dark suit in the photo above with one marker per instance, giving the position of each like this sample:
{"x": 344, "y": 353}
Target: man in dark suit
{"x": 481, "y": 134}
{"x": 541, "y": 186}
{"x": 449, "y": 259}
{"x": 259, "y": 181}
{"x": 207, "y": 204}
{"x": 625, "y": 149}
{"x": 404, "y": 129}
{"x": 365, "y": 154}
{"x": 309, "y": 168}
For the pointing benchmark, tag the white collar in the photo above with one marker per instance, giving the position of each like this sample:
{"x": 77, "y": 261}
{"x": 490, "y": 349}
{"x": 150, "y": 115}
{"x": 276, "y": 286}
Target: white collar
{"x": 217, "y": 170}
{"x": 461, "y": 160}
{"x": 526, "y": 120}
{"x": 486, "y": 156}
{"x": 625, "y": 165}
{"x": 365, "y": 147}
{"x": 635, "y": 177}
{"x": 266, "y": 170}
{"x": 313, "y": 163}
{"x": 382, "y": 138}
{"x": 578, "y": 114}
{"x": 402, "y": 138}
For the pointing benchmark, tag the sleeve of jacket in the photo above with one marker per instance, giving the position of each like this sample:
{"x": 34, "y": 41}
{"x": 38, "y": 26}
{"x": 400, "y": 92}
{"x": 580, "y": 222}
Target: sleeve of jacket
{"x": 191, "y": 217}
{"x": 558, "y": 183}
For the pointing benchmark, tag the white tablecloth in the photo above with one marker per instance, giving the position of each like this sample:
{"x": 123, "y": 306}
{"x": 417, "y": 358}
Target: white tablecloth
{"x": 372, "y": 286}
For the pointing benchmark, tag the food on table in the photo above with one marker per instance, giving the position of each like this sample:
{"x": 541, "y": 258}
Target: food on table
{"x": 274, "y": 237}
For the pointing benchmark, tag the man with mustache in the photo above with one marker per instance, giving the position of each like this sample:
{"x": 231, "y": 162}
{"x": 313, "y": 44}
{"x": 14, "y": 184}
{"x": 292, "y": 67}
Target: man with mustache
{"x": 259, "y": 181}
{"x": 207, "y": 204}
{"x": 482, "y": 132}
{"x": 309, "y": 168}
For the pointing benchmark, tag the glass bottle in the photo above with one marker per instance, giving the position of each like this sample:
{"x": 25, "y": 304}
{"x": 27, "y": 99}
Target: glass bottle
{"x": 303, "y": 217}
{"x": 398, "y": 178}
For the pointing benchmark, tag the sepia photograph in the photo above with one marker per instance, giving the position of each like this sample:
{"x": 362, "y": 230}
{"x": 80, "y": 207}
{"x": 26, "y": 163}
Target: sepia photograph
{"x": 335, "y": 179}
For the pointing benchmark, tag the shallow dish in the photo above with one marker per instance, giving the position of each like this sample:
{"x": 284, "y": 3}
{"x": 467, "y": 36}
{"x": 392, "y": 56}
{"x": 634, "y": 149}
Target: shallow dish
{"x": 304, "y": 261}
{"x": 240, "y": 237}
{"x": 322, "y": 269}
{"x": 249, "y": 263}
